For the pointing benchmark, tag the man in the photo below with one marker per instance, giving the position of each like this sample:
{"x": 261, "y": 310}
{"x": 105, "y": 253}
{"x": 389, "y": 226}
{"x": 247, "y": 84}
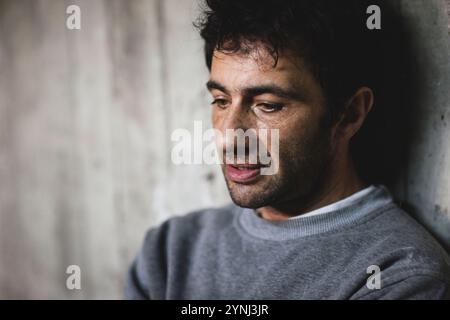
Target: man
{"x": 320, "y": 226}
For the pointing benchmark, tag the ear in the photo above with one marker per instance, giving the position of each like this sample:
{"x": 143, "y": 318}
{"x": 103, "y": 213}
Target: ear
{"x": 355, "y": 112}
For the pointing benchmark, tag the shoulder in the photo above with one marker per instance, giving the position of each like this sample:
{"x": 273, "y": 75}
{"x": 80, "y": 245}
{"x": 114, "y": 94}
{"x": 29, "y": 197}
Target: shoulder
{"x": 166, "y": 245}
{"x": 194, "y": 223}
{"x": 396, "y": 233}
{"x": 182, "y": 234}
{"x": 410, "y": 259}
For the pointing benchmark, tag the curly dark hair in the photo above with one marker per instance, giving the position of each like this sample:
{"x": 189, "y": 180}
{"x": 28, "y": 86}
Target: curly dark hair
{"x": 331, "y": 36}
{"x": 333, "y": 40}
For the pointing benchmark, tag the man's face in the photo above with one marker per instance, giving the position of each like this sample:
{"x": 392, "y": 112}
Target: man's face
{"x": 250, "y": 93}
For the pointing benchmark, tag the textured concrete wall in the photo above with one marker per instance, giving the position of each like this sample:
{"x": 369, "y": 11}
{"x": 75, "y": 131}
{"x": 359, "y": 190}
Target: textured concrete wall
{"x": 427, "y": 180}
{"x": 85, "y": 123}
{"x": 448, "y": 13}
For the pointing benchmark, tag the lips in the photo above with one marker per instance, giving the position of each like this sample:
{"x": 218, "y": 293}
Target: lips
{"x": 243, "y": 173}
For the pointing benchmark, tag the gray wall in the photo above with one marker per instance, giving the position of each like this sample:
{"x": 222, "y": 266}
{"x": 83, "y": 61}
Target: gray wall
{"x": 426, "y": 184}
{"x": 85, "y": 120}
{"x": 85, "y": 124}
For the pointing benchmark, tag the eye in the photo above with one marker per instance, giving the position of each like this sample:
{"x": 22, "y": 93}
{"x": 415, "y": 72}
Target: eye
{"x": 221, "y": 103}
{"x": 269, "y": 107}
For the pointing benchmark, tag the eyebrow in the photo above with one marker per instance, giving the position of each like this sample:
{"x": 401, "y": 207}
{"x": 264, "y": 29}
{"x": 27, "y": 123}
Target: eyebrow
{"x": 259, "y": 90}
{"x": 213, "y": 85}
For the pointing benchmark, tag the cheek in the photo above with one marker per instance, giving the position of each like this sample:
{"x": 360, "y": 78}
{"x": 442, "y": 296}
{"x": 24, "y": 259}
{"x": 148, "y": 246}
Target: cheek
{"x": 300, "y": 137}
{"x": 285, "y": 136}
{"x": 296, "y": 127}
{"x": 217, "y": 119}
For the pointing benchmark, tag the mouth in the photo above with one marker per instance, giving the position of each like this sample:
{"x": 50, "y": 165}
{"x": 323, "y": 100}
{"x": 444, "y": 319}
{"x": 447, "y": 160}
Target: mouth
{"x": 243, "y": 174}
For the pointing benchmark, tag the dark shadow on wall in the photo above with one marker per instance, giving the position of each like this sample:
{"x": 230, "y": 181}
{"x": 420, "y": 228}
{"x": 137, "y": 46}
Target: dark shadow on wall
{"x": 380, "y": 147}
{"x": 384, "y": 146}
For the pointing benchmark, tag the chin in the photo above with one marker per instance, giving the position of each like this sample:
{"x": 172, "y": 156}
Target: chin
{"x": 247, "y": 198}
{"x": 247, "y": 203}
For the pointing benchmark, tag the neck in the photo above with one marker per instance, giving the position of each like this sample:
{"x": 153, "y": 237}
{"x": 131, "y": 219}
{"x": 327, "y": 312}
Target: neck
{"x": 340, "y": 185}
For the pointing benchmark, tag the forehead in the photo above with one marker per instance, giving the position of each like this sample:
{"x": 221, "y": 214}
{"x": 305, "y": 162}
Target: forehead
{"x": 258, "y": 67}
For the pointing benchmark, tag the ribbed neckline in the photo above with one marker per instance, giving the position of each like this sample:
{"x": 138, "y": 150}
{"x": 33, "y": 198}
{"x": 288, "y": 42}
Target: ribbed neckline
{"x": 250, "y": 222}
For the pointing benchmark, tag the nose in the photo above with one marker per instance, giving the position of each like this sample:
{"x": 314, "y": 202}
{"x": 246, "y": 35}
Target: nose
{"x": 234, "y": 122}
{"x": 235, "y": 117}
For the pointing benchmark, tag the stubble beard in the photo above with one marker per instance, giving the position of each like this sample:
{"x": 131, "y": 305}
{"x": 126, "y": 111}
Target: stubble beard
{"x": 303, "y": 173}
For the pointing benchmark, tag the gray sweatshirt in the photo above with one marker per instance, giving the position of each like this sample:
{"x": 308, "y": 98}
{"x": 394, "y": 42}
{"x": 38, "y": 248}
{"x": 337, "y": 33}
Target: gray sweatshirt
{"x": 371, "y": 249}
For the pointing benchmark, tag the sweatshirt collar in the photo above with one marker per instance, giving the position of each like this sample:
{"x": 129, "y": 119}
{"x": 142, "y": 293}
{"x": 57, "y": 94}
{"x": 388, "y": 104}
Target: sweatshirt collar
{"x": 357, "y": 211}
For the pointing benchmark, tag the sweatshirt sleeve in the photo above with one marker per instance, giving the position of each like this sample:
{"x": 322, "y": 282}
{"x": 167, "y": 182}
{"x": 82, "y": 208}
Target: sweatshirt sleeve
{"x": 135, "y": 289}
{"x": 146, "y": 277}
{"x": 417, "y": 287}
